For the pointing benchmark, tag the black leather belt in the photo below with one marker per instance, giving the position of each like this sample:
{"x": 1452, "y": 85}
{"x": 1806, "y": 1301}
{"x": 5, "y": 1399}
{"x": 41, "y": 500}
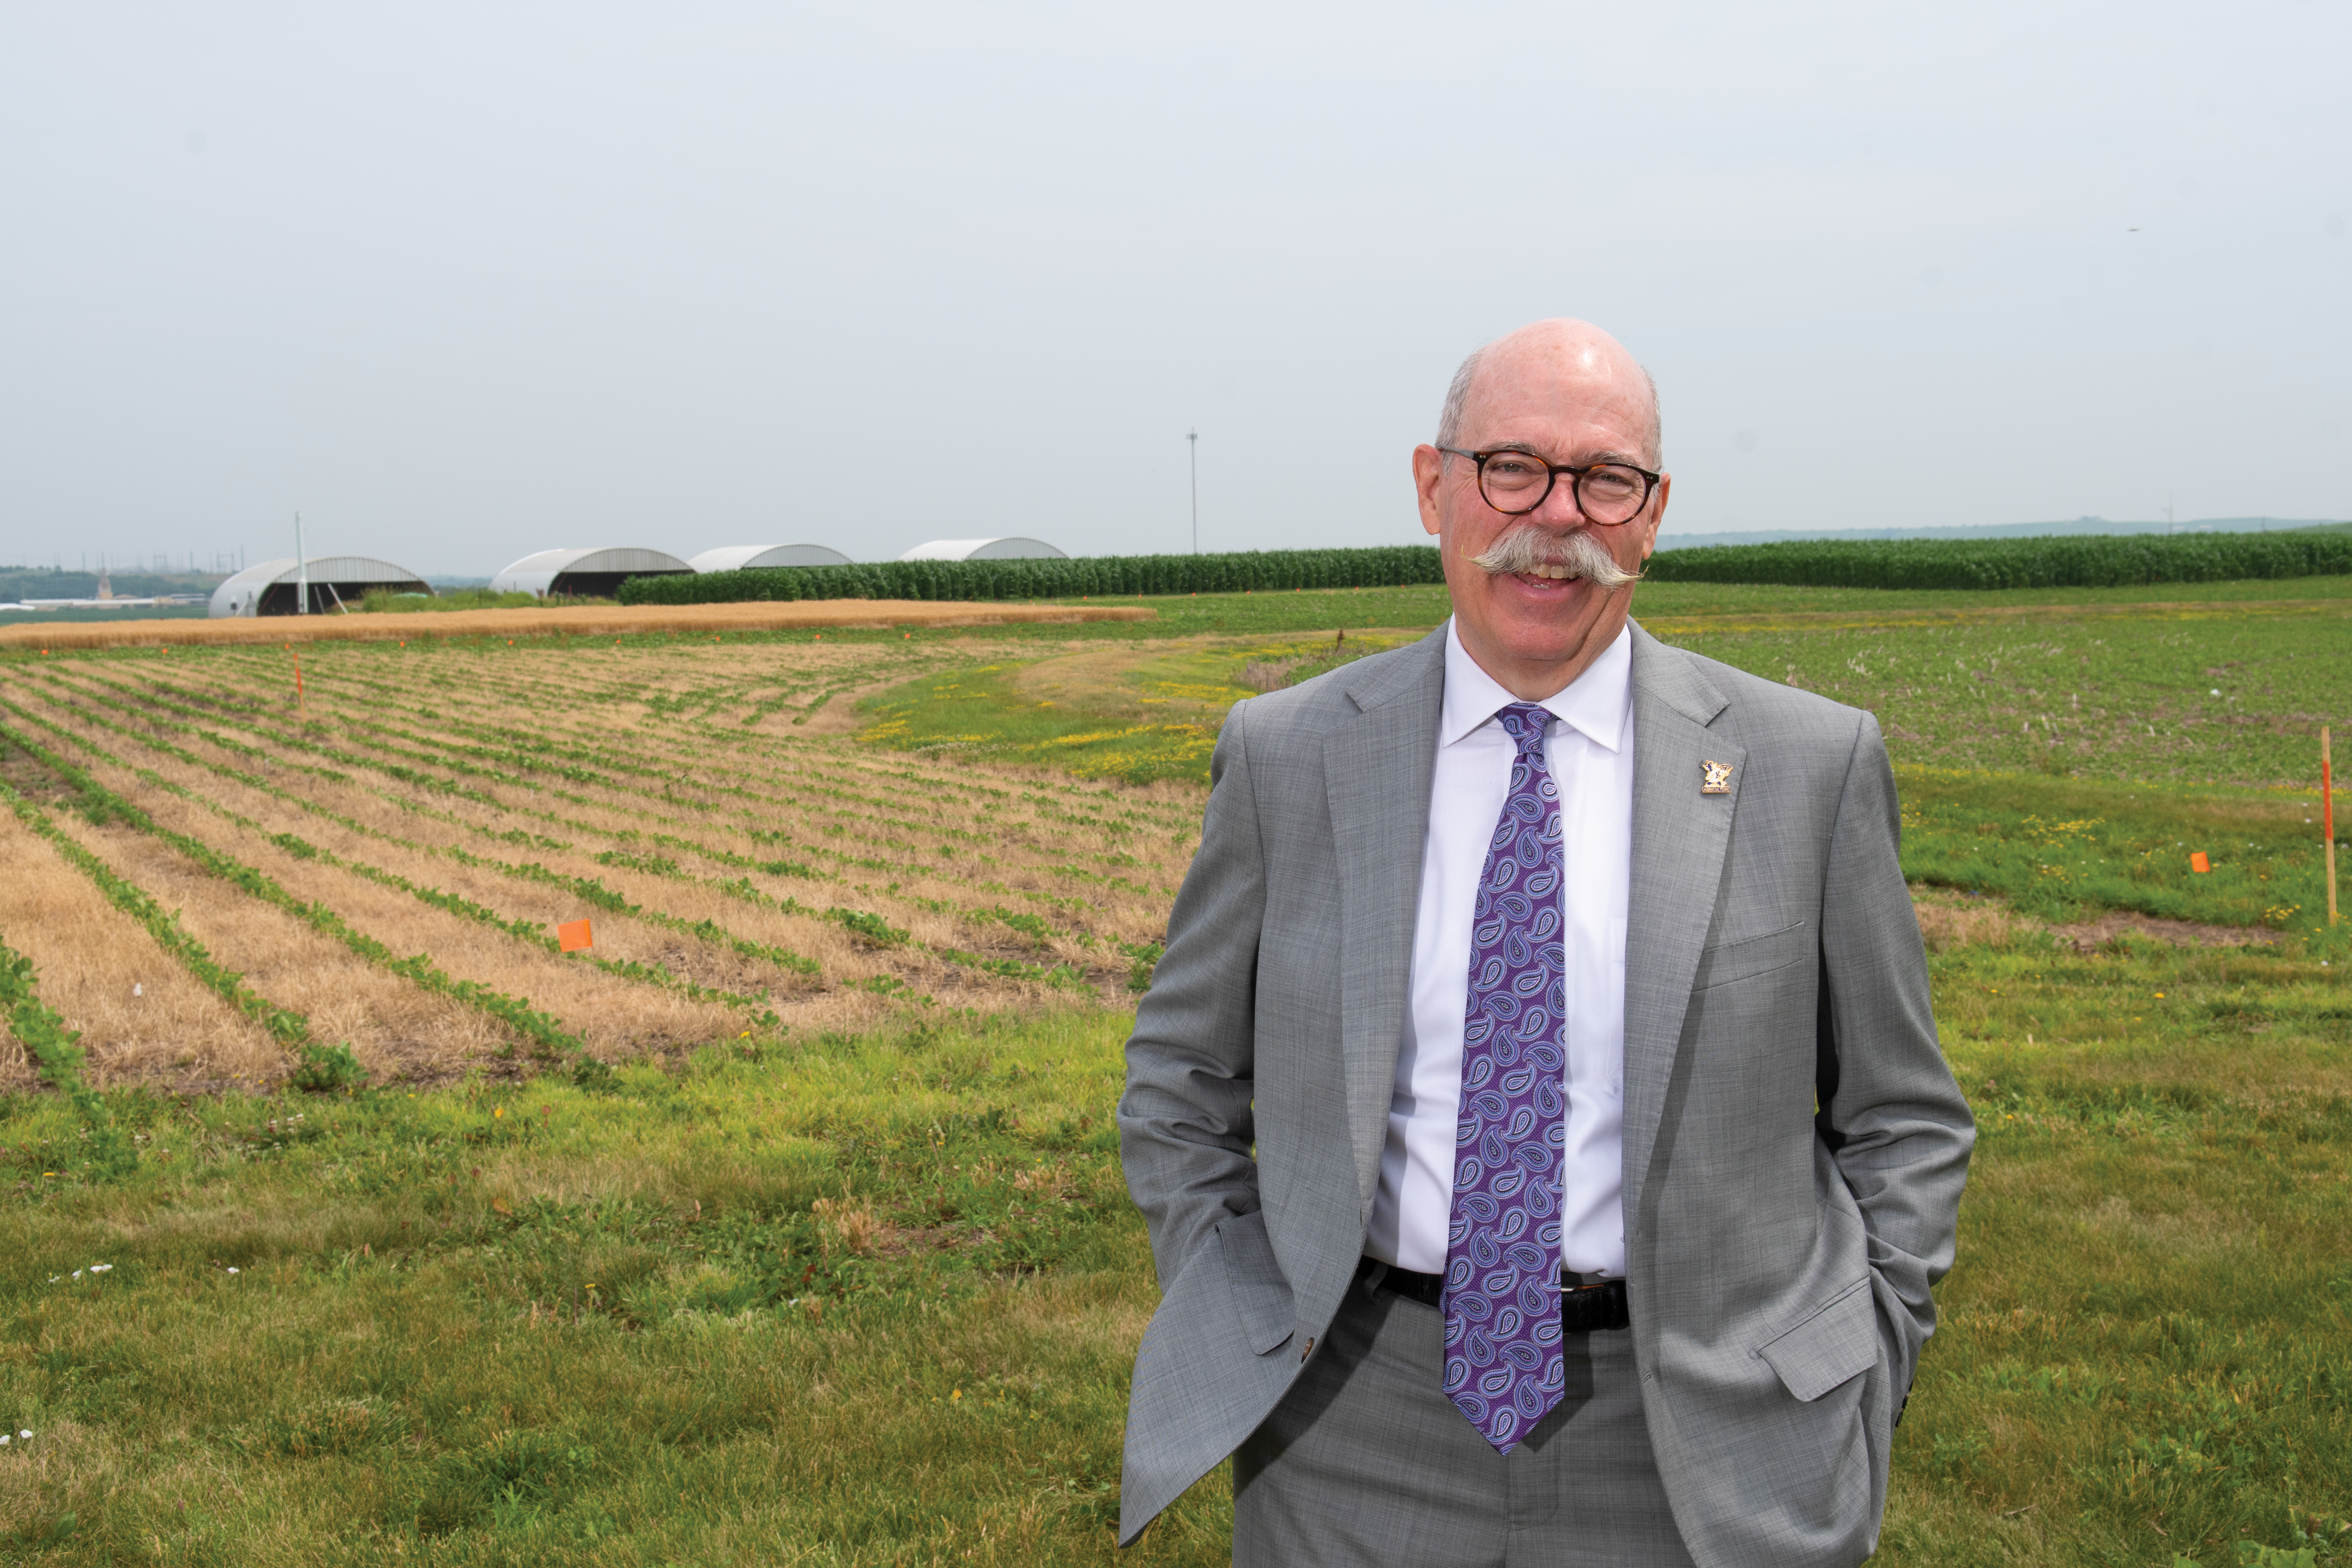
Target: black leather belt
{"x": 1582, "y": 1307}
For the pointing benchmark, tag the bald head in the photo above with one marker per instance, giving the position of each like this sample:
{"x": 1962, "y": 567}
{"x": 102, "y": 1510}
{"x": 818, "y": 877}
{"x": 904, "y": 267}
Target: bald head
{"x": 1571, "y": 357}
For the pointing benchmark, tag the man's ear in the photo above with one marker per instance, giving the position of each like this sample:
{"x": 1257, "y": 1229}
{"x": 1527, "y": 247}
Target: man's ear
{"x": 1428, "y": 472}
{"x": 1657, "y": 516}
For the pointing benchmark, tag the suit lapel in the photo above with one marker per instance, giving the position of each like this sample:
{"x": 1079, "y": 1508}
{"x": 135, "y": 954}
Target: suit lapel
{"x": 1680, "y": 839}
{"x": 1376, "y": 772}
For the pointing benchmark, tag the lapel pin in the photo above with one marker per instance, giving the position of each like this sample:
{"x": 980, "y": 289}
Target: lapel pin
{"x": 1714, "y": 778}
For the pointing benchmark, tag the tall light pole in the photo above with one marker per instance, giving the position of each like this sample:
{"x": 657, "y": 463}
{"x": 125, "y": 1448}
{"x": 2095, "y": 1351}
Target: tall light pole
{"x": 1192, "y": 447}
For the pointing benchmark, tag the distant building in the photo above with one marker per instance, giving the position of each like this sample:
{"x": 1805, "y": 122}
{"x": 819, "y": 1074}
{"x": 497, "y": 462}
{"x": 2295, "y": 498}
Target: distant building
{"x": 584, "y": 574}
{"x": 1013, "y": 548}
{"x": 336, "y": 581}
{"x": 740, "y": 557}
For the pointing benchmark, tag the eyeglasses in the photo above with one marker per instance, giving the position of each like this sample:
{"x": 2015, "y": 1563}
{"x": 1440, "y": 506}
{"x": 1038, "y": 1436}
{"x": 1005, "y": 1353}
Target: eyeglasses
{"x": 1515, "y": 483}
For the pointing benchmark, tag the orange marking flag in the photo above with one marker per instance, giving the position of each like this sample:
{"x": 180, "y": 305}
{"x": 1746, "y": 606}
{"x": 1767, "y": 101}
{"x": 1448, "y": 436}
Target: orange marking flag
{"x": 2197, "y": 862}
{"x": 574, "y": 935}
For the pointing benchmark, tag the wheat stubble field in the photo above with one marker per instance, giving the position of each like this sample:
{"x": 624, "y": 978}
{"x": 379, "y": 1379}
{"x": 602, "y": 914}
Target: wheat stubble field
{"x": 784, "y": 1224}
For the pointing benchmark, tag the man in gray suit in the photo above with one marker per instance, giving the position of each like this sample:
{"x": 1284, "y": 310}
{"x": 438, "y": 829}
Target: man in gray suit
{"x": 1538, "y": 1114}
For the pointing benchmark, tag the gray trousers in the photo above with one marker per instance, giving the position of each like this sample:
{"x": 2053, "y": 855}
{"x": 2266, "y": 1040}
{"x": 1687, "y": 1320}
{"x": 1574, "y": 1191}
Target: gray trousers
{"x": 1366, "y": 1462}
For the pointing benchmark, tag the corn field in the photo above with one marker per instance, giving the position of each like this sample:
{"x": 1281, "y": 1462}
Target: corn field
{"x": 214, "y": 878}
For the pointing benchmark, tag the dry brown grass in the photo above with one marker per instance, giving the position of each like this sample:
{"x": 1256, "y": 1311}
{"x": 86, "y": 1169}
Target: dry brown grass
{"x": 395, "y": 1029}
{"x": 574, "y": 620}
{"x": 1950, "y": 920}
{"x": 140, "y": 1014}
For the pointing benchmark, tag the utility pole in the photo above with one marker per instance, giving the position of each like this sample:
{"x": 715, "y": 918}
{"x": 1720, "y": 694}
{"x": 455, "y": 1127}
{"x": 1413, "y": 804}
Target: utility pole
{"x": 1192, "y": 446}
{"x": 301, "y": 571}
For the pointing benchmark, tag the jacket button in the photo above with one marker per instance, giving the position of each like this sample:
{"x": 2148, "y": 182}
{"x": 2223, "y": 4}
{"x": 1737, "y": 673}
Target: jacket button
{"x": 1307, "y": 1351}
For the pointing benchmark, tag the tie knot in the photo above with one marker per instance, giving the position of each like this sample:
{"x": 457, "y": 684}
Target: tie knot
{"x": 1526, "y": 722}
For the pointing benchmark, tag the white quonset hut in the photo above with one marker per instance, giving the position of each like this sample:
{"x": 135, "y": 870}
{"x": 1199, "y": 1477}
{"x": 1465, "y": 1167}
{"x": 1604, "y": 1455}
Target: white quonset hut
{"x": 1011, "y": 548}
{"x": 584, "y": 574}
{"x": 336, "y": 581}
{"x": 742, "y": 557}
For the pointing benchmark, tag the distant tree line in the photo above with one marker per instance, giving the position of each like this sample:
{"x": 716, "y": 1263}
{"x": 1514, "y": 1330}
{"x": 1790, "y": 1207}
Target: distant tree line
{"x": 45, "y": 583}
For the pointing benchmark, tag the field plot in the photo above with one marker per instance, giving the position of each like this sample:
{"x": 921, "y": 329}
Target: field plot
{"x": 389, "y": 858}
{"x": 784, "y": 1224}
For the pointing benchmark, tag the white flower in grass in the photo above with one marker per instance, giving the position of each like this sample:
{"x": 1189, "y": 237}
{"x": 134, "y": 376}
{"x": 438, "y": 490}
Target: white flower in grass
{"x": 101, "y": 1268}
{"x": 24, "y": 1433}
{"x": 232, "y": 1272}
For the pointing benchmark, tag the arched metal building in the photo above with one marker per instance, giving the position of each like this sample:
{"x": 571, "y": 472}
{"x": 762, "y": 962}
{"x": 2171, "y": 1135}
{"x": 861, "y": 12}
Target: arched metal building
{"x": 269, "y": 589}
{"x": 584, "y": 574}
{"x": 739, "y": 557}
{"x": 1010, "y": 548}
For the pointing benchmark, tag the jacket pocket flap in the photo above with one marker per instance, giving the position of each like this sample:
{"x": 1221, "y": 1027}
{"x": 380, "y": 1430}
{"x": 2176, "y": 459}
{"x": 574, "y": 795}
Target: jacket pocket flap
{"x": 1838, "y": 1342}
{"x": 1261, "y": 1294}
{"x": 1728, "y": 960}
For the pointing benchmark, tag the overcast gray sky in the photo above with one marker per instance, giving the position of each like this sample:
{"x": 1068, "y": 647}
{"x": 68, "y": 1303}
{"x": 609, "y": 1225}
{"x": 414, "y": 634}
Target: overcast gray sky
{"x": 460, "y": 282}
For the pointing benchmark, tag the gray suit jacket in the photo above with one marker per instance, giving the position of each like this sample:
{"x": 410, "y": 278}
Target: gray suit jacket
{"x": 1794, "y": 1143}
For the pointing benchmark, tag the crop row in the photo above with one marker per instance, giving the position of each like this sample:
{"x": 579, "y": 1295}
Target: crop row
{"x": 588, "y": 890}
{"x": 530, "y": 764}
{"x": 790, "y": 877}
{"x": 594, "y": 893}
{"x": 1261, "y": 571}
{"x": 2068, "y": 561}
{"x": 105, "y": 1149}
{"x": 103, "y": 804}
{"x": 761, "y": 805}
{"x": 286, "y": 1026}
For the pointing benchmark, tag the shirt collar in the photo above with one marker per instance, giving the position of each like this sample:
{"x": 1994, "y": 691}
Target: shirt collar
{"x": 1595, "y": 704}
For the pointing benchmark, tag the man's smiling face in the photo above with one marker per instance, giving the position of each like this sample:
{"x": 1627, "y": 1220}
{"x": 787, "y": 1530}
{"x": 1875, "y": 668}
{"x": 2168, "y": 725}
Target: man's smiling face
{"x": 1566, "y": 393}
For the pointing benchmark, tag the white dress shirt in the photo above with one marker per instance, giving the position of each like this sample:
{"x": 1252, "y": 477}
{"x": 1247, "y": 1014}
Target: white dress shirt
{"x": 1589, "y": 750}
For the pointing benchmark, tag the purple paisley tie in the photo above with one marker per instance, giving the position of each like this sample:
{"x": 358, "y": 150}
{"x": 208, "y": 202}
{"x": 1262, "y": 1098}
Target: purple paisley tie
{"x": 1503, "y": 1366}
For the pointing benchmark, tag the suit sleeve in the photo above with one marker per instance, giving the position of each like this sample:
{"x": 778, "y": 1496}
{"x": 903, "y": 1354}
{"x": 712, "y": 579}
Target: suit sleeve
{"x": 1186, "y": 1133}
{"x": 1891, "y": 1112}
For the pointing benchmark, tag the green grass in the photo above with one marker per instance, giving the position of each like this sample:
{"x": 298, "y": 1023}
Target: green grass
{"x": 1137, "y": 719}
{"x": 2125, "y": 697}
{"x": 2149, "y": 1328}
{"x": 864, "y": 1301}
{"x": 2064, "y": 849}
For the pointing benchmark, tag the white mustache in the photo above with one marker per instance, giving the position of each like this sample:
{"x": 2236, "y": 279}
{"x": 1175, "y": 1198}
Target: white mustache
{"x": 1524, "y": 548}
